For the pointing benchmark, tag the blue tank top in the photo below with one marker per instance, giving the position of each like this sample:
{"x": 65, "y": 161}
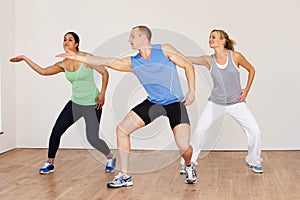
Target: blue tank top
{"x": 226, "y": 82}
{"x": 159, "y": 76}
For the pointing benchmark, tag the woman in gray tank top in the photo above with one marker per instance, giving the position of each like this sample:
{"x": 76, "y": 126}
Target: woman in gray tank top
{"x": 227, "y": 96}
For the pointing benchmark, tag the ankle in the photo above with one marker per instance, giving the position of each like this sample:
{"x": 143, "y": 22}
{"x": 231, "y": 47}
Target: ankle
{"x": 51, "y": 160}
{"x": 110, "y": 156}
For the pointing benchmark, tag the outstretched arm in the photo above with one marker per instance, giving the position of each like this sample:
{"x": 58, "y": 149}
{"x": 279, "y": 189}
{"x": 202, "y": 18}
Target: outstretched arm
{"x": 122, "y": 64}
{"x": 181, "y": 61}
{"x": 51, "y": 70}
{"x": 201, "y": 60}
{"x": 242, "y": 61}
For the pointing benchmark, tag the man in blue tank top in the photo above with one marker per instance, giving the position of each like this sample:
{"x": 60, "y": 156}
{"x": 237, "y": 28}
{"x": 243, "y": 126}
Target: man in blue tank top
{"x": 155, "y": 67}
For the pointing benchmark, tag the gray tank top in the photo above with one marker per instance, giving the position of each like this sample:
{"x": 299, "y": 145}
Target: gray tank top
{"x": 226, "y": 82}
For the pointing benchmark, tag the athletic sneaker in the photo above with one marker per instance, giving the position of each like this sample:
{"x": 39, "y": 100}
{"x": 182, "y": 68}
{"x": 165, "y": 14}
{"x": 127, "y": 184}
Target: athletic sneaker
{"x": 110, "y": 164}
{"x": 47, "y": 168}
{"x": 191, "y": 176}
{"x": 121, "y": 180}
{"x": 256, "y": 169}
{"x": 182, "y": 169}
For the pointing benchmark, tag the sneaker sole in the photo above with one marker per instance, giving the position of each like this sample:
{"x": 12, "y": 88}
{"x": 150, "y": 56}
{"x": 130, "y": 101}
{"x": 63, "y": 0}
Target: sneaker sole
{"x": 191, "y": 182}
{"x": 43, "y": 173}
{"x": 109, "y": 171}
{"x": 119, "y": 186}
{"x": 257, "y": 171}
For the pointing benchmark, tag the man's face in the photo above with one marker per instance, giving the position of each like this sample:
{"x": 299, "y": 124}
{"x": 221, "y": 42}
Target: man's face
{"x": 136, "y": 39}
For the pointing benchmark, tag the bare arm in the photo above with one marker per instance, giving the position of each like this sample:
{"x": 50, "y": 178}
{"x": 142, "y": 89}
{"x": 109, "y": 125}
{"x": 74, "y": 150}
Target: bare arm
{"x": 51, "y": 70}
{"x": 240, "y": 60}
{"x": 181, "y": 61}
{"x": 100, "y": 99}
{"x": 201, "y": 60}
{"x": 122, "y": 64}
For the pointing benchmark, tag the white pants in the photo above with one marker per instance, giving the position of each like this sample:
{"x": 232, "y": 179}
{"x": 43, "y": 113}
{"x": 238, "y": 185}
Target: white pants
{"x": 242, "y": 115}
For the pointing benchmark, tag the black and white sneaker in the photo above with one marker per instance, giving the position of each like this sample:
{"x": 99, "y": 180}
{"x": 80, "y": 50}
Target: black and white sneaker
{"x": 121, "y": 180}
{"x": 191, "y": 176}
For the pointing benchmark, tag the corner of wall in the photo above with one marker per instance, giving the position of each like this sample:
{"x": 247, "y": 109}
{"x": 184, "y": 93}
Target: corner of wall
{"x": 7, "y": 77}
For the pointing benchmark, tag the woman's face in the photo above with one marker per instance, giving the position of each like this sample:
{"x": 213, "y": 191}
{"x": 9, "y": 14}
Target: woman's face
{"x": 215, "y": 40}
{"x": 69, "y": 43}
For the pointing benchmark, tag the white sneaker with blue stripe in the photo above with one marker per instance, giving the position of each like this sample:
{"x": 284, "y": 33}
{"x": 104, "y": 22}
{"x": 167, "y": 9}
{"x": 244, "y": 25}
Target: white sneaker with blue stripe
{"x": 121, "y": 180}
{"x": 256, "y": 169}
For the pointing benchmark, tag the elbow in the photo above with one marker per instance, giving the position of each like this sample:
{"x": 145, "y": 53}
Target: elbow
{"x": 192, "y": 68}
{"x": 43, "y": 73}
{"x": 105, "y": 74}
{"x": 253, "y": 71}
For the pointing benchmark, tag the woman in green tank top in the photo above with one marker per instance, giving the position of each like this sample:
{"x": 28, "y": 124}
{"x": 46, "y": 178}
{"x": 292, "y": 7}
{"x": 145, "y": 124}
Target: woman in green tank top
{"x": 86, "y": 102}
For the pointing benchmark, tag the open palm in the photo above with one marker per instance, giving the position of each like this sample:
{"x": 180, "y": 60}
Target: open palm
{"x": 16, "y": 59}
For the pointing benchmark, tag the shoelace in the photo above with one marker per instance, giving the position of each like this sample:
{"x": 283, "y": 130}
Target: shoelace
{"x": 109, "y": 162}
{"x": 120, "y": 177}
{"x": 189, "y": 171}
{"x": 46, "y": 164}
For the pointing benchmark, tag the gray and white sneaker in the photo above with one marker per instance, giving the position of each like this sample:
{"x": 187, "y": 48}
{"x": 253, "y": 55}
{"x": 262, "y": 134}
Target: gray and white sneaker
{"x": 182, "y": 169}
{"x": 191, "y": 176}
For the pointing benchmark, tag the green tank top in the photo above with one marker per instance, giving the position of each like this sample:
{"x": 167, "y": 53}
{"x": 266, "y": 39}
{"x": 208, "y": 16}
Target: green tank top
{"x": 84, "y": 90}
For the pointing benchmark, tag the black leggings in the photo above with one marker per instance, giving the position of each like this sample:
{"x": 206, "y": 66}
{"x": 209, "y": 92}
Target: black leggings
{"x": 68, "y": 116}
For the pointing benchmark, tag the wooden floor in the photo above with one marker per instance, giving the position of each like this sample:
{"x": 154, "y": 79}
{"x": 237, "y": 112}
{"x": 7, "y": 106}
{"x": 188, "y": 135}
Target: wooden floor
{"x": 79, "y": 175}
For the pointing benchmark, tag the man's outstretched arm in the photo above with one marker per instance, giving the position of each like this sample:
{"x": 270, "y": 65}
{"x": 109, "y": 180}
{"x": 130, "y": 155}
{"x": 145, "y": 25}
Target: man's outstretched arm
{"x": 122, "y": 64}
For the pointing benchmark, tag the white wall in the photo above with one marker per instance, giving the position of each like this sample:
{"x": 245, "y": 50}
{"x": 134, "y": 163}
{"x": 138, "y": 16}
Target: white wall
{"x": 266, "y": 32}
{"x": 7, "y": 75}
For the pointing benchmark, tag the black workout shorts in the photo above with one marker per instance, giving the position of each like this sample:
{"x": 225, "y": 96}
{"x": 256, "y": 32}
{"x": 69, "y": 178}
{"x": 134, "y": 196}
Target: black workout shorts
{"x": 176, "y": 112}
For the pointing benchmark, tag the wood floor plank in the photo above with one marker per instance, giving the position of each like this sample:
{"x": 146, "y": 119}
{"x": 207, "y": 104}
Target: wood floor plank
{"x": 79, "y": 174}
